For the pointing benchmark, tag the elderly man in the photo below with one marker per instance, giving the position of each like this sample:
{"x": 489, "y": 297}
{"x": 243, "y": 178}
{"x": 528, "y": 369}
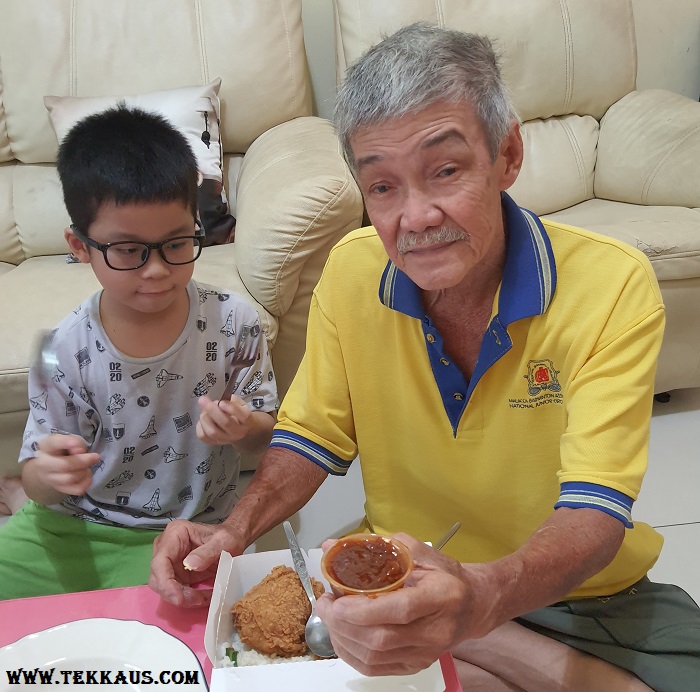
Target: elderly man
{"x": 488, "y": 367}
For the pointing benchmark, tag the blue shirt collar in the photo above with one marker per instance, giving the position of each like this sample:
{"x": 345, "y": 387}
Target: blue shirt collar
{"x": 529, "y": 276}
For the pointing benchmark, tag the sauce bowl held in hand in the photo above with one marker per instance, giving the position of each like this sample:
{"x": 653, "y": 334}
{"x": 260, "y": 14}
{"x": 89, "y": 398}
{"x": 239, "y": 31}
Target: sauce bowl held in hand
{"x": 366, "y": 564}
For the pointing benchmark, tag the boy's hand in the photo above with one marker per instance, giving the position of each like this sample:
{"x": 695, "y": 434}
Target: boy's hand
{"x": 223, "y": 422}
{"x": 63, "y": 463}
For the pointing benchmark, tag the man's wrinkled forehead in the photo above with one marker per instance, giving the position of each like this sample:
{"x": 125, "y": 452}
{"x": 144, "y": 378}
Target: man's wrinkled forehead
{"x": 451, "y": 135}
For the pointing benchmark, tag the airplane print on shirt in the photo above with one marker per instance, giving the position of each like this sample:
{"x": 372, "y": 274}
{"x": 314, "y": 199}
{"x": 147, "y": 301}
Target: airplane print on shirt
{"x": 116, "y": 403}
{"x": 57, "y": 375}
{"x": 204, "y": 385}
{"x": 39, "y": 402}
{"x": 204, "y": 295}
{"x": 253, "y": 385}
{"x": 171, "y": 455}
{"x": 164, "y": 376}
{"x": 205, "y": 465}
{"x": 227, "y": 329}
{"x": 122, "y": 478}
{"x": 150, "y": 430}
{"x": 152, "y": 505}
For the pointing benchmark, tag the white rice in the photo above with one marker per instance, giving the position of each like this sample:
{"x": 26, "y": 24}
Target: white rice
{"x": 250, "y": 657}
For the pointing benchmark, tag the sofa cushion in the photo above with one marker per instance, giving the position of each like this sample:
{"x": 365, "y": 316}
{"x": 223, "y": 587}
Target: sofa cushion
{"x": 291, "y": 163}
{"x": 194, "y": 111}
{"x": 668, "y": 236}
{"x": 553, "y": 52}
{"x": 559, "y": 161}
{"x": 648, "y": 150}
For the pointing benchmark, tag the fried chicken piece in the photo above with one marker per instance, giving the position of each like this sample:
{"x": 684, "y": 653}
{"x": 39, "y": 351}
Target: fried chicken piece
{"x": 272, "y": 616}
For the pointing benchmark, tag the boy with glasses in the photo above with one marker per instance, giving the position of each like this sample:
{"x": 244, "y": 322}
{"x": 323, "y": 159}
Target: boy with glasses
{"x": 129, "y": 432}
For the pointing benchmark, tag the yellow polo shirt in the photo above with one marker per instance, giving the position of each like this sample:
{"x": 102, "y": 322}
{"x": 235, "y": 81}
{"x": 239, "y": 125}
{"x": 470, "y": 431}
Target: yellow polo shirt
{"x": 556, "y": 412}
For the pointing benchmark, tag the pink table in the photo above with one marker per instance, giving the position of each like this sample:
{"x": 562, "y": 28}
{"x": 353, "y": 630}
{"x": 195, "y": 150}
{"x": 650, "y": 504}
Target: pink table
{"x": 26, "y": 615}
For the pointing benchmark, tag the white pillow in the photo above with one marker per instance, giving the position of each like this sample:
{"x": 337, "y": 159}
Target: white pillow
{"x": 194, "y": 110}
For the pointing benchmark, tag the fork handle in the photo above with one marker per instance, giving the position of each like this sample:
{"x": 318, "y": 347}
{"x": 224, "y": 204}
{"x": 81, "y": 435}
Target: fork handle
{"x": 228, "y": 389}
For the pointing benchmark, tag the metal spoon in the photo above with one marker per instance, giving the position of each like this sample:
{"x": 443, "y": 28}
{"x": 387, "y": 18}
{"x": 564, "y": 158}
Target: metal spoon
{"x": 317, "y": 637}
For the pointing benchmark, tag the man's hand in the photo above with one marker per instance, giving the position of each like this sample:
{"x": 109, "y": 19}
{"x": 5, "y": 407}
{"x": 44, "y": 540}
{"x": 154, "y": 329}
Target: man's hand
{"x": 187, "y": 553}
{"x": 224, "y": 422}
{"x": 406, "y": 630}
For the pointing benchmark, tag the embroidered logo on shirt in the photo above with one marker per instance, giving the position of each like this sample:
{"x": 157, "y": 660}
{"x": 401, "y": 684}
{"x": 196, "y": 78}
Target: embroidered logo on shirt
{"x": 541, "y": 375}
{"x": 543, "y": 386}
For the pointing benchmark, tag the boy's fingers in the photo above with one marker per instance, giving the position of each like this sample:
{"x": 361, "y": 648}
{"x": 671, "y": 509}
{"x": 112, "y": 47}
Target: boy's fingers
{"x": 63, "y": 445}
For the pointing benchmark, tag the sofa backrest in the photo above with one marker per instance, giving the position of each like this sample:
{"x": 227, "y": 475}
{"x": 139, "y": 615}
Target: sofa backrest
{"x": 565, "y": 62}
{"x": 88, "y": 48}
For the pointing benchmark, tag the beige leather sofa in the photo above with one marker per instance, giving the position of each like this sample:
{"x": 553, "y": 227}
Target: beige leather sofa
{"x": 285, "y": 178}
{"x": 598, "y": 153}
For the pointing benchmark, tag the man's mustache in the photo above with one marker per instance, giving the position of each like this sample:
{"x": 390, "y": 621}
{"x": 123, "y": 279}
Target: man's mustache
{"x": 435, "y": 236}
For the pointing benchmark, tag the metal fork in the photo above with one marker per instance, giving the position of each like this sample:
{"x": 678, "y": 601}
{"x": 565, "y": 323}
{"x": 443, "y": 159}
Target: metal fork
{"x": 245, "y": 355}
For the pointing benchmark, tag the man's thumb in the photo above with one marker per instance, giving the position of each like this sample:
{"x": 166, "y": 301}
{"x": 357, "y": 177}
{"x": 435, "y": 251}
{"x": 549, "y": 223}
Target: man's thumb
{"x": 200, "y": 558}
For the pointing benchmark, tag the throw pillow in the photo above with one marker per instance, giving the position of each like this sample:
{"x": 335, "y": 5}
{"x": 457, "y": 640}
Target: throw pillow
{"x": 194, "y": 110}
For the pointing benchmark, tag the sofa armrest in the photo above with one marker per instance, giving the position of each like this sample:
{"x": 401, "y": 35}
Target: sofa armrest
{"x": 648, "y": 150}
{"x": 295, "y": 197}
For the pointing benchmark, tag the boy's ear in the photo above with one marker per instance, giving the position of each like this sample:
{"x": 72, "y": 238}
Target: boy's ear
{"x": 77, "y": 247}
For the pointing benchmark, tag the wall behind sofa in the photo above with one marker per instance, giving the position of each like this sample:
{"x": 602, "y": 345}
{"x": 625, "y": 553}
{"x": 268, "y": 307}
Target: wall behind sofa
{"x": 668, "y": 43}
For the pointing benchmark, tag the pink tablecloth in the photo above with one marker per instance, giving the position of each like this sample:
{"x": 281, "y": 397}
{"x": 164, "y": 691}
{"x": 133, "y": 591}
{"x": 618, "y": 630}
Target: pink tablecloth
{"x": 26, "y": 615}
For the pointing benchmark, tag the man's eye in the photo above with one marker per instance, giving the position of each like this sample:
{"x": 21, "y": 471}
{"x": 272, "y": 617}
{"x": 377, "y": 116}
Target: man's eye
{"x": 446, "y": 172}
{"x": 380, "y": 189}
{"x": 176, "y": 244}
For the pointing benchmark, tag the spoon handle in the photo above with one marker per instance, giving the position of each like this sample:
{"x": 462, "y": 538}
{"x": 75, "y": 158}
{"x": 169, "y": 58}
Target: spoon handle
{"x": 299, "y": 562}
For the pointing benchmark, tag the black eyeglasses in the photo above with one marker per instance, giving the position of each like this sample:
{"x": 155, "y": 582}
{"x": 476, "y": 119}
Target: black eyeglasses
{"x": 124, "y": 255}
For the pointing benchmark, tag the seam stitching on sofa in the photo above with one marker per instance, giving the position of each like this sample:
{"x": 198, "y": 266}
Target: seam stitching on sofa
{"x": 3, "y": 115}
{"x": 72, "y": 76}
{"x": 439, "y": 12}
{"x": 290, "y": 61}
{"x": 360, "y": 32}
{"x": 202, "y": 50}
{"x": 14, "y": 217}
{"x": 655, "y": 171}
{"x": 569, "y": 57}
{"x": 331, "y": 202}
{"x": 578, "y": 154}
{"x": 632, "y": 35}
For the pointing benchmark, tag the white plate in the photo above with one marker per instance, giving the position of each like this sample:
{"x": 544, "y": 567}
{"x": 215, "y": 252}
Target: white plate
{"x": 127, "y": 650}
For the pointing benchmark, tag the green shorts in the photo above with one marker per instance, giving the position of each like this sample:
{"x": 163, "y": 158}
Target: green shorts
{"x": 43, "y": 552}
{"x": 649, "y": 629}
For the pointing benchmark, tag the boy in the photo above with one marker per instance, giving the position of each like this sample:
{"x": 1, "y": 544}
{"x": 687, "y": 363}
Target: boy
{"x": 110, "y": 455}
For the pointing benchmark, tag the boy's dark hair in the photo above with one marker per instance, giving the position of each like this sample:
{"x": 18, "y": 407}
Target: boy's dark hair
{"x": 124, "y": 155}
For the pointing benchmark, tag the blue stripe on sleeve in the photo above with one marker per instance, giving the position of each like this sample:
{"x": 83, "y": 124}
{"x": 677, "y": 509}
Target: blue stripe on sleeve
{"x": 595, "y": 496}
{"x": 312, "y": 451}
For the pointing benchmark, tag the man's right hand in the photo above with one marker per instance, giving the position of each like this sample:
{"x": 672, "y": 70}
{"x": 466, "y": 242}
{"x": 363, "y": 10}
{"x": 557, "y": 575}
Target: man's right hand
{"x": 187, "y": 554}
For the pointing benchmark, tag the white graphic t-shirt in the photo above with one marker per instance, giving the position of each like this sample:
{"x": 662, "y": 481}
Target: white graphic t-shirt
{"x": 140, "y": 414}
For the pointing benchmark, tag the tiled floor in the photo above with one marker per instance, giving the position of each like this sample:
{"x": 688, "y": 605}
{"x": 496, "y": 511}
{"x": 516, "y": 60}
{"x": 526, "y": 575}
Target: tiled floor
{"x": 668, "y": 499}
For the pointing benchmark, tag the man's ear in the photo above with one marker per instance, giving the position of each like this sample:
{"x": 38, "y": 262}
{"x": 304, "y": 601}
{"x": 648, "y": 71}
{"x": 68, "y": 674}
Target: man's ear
{"x": 77, "y": 247}
{"x": 512, "y": 155}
